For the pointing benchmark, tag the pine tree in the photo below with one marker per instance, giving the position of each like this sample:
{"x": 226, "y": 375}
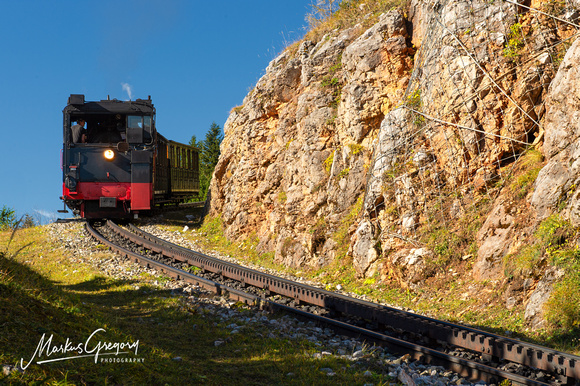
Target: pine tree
{"x": 209, "y": 153}
{"x": 193, "y": 142}
{"x": 209, "y": 156}
{"x": 28, "y": 221}
{"x": 211, "y": 147}
{"x": 7, "y": 218}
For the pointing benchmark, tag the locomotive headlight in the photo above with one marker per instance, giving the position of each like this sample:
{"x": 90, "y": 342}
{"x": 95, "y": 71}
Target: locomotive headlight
{"x": 109, "y": 154}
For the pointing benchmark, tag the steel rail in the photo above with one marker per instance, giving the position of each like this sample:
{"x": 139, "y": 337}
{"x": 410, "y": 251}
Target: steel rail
{"x": 466, "y": 368}
{"x": 494, "y": 347}
{"x": 471, "y": 370}
{"x": 173, "y": 272}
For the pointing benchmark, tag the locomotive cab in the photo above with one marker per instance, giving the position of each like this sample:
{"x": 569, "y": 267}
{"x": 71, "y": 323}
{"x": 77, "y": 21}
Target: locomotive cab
{"x": 107, "y": 157}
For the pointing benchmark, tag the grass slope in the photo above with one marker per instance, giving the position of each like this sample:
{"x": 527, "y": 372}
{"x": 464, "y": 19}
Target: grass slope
{"x": 45, "y": 290}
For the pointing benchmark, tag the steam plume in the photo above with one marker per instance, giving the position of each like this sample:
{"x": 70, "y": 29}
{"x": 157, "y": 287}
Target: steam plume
{"x": 128, "y": 89}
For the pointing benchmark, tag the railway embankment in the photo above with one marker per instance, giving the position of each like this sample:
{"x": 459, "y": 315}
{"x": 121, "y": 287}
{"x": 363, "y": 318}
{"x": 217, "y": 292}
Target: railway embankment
{"x": 64, "y": 296}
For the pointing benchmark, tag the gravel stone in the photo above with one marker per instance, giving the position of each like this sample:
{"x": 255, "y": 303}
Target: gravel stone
{"x": 328, "y": 371}
{"x": 9, "y": 369}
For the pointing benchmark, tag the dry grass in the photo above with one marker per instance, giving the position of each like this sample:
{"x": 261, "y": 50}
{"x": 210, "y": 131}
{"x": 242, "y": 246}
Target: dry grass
{"x": 347, "y": 14}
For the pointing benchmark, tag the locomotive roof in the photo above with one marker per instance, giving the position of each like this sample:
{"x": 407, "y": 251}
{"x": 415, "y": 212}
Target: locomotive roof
{"x": 77, "y": 104}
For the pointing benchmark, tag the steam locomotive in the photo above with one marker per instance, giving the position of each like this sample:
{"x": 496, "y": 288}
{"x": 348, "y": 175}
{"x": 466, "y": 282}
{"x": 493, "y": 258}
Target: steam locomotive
{"x": 119, "y": 166}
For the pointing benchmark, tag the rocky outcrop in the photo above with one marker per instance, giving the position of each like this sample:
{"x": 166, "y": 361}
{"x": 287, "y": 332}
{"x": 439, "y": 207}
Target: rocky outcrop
{"x": 557, "y": 181}
{"x": 534, "y": 314}
{"x": 293, "y": 160}
{"x": 409, "y": 266}
{"x": 494, "y": 239}
{"x": 364, "y": 251}
{"x": 471, "y": 108}
{"x": 421, "y": 123}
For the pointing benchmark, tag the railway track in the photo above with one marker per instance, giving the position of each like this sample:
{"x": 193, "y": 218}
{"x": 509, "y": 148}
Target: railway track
{"x": 487, "y": 357}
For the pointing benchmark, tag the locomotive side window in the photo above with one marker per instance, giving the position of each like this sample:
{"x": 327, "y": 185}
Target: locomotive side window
{"x": 139, "y": 129}
{"x": 147, "y": 136}
{"x": 134, "y": 122}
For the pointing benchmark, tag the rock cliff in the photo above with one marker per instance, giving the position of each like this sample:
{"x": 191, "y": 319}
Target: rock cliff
{"x": 413, "y": 145}
{"x": 296, "y": 154}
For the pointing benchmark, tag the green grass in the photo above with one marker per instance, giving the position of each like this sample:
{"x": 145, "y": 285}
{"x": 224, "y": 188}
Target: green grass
{"x": 355, "y": 148}
{"x": 47, "y": 290}
{"x": 563, "y": 307}
{"x": 341, "y": 235}
{"x": 415, "y": 102}
{"x": 529, "y": 164}
{"x": 210, "y": 236}
{"x": 282, "y": 197}
{"x": 553, "y": 243}
{"x": 343, "y": 173}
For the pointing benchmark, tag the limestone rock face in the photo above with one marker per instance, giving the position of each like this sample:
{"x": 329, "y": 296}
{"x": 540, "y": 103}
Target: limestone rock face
{"x": 295, "y": 154}
{"x": 363, "y": 249}
{"x": 368, "y": 139}
{"x": 494, "y": 240}
{"x": 471, "y": 108}
{"x": 556, "y": 182}
{"x": 408, "y": 266}
{"x": 534, "y": 308}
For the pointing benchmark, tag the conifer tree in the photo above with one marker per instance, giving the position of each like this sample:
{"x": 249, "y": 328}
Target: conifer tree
{"x": 193, "y": 142}
{"x": 209, "y": 153}
{"x": 211, "y": 147}
{"x": 7, "y": 218}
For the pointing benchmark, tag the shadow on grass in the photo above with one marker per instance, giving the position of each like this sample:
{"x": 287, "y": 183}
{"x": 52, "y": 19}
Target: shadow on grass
{"x": 176, "y": 339}
{"x": 33, "y": 306}
{"x": 98, "y": 283}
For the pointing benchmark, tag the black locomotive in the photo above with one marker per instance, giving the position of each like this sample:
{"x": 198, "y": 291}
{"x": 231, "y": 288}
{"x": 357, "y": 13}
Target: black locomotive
{"x": 119, "y": 166}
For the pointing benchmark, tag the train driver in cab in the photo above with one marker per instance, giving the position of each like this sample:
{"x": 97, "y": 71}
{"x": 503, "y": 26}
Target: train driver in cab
{"x": 78, "y": 132}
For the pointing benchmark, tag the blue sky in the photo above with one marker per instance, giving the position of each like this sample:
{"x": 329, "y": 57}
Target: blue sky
{"x": 197, "y": 60}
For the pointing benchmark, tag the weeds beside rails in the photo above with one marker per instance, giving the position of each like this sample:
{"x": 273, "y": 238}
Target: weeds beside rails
{"x": 6, "y": 253}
